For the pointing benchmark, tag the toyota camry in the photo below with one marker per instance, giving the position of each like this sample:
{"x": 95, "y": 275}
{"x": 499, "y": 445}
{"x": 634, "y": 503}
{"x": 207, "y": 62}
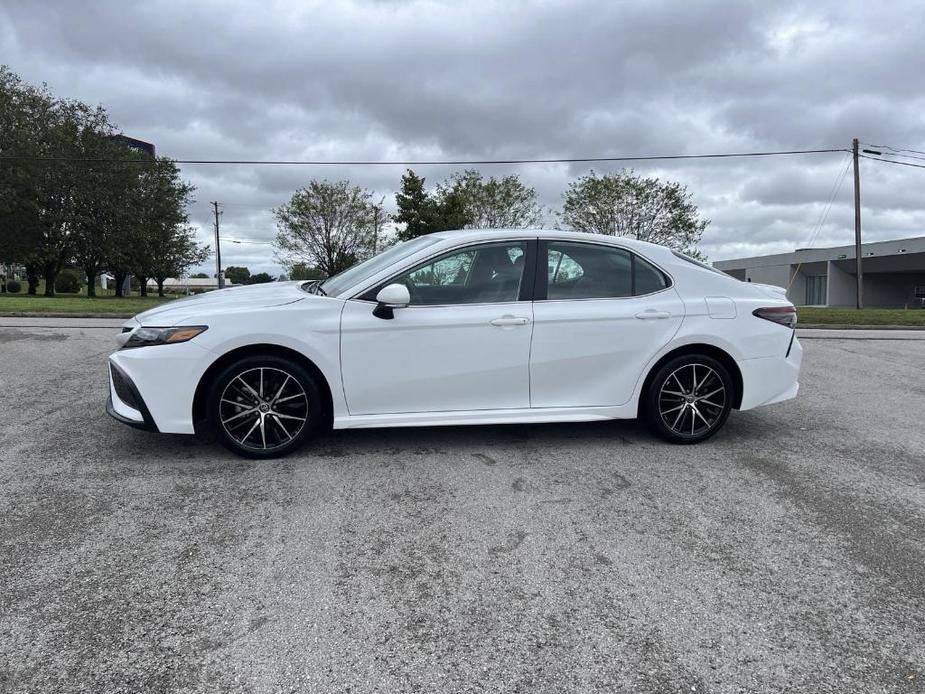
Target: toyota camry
{"x": 463, "y": 327}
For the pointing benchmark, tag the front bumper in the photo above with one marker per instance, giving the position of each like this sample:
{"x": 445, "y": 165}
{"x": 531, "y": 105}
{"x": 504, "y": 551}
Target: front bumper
{"x": 158, "y": 384}
{"x": 125, "y": 403}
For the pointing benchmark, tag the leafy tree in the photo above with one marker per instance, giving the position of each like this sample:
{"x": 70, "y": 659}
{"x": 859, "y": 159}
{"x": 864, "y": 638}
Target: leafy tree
{"x": 200, "y": 276}
{"x": 492, "y": 203}
{"x": 424, "y": 213}
{"x": 126, "y": 217}
{"x": 301, "y": 271}
{"x": 20, "y": 108}
{"x": 415, "y": 207}
{"x": 162, "y": 242}
{"x": 38, "y": 199}
{"x": 23, "y": 120}
{"x": 179, "y": 250}
{"x": 452, "y": 211}
{"x": 261, "y": 278}
{"x": 326, "y": 224}
{"x": 61, "y": 187}
{"x": 623, "y": 204}
{"x": 237, "y": 275}
{"x": 101, "y": 215}
{"x": 67, "y": 282}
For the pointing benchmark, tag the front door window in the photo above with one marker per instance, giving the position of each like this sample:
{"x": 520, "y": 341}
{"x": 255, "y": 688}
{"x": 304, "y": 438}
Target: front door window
{"x": 491, "y": 273}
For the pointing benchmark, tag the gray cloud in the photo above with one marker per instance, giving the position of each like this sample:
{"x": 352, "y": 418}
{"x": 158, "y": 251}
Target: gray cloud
{"x": 486, "y": 79}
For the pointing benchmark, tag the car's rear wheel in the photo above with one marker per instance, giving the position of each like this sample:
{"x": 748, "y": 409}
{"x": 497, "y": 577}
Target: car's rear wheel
{"x": 688, "y": 399}
{"x": 264, "y": 406}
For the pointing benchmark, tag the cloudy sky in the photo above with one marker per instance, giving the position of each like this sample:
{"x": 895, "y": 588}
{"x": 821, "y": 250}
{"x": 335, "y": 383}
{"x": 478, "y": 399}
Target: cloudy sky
{"x": 483, "y": 79}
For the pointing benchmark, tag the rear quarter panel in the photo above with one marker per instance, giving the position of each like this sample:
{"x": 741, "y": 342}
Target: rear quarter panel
{"x": 719, "y": 311}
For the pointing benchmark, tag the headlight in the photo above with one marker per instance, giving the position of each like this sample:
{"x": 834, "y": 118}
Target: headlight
{"x": 144, "y": 337}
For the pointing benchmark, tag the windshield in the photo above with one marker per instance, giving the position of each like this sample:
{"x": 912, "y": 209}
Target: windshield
{"x": 363, "y": 271}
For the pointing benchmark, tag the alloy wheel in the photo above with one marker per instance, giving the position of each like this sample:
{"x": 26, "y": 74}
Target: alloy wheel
{"x": 263, "y": 408}
{"x": 692, "y": 400}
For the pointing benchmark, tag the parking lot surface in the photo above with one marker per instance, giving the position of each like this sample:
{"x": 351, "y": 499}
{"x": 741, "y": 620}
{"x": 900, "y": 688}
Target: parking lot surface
{"x": 786, "y": 554}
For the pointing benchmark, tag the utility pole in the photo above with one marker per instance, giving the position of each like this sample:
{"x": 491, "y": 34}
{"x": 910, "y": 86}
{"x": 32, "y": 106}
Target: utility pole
{"x": 218, "y": 248}
{"x": 377, "y": 223}
{"x": 857, "y": 224}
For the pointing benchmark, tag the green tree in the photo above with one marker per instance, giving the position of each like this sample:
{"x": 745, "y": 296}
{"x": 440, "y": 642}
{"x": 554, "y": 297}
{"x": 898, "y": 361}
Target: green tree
{"x": 261, "y": 278}
{"x": 301, "y": 271}
{"x": 415, "y": 207}
{"x": 237, "y": 275}
{"x": 179, "y": 251}
{"x": 22, "y": 110}
{"x": 61, "y": 186}
{"x": 422, "y": 212}
{"x": 326, "y": 224}
{"x": 491, "y": 203}
{"x": 624, "y": 204}
{"x": 101, "y": 214}
{"x": 38, "y": 198}
{"x": 159, "y": 242}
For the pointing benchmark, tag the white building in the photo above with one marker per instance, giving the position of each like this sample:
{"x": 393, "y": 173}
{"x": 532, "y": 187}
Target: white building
{"x": 893, "y": 272}
{"x": 183, "y": 285}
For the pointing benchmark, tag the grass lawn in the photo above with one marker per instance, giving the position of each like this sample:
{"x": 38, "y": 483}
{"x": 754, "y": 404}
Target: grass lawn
{"x": 866, "y": 316}
{"x": 78, "y": 304}
{"x": 26, "y": 304}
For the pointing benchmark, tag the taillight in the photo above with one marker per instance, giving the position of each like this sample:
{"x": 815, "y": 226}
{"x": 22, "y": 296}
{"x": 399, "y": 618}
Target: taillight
{"x": 785, "y": 315}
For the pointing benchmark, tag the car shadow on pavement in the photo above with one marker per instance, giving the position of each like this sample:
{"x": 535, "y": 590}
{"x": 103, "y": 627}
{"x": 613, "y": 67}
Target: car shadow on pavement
{"x": 741, "y": 428}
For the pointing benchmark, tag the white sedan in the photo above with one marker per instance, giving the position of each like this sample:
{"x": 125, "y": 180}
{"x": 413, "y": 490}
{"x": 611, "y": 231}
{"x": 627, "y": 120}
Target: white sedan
{"x": 463, "y": 327}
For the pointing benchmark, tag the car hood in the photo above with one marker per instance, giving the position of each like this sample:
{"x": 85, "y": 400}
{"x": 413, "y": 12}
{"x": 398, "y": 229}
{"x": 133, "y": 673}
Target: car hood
{"x": 178, "y": 311}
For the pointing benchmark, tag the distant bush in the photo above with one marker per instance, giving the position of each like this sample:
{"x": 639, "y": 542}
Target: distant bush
{"x": 67, "y": 282}
{"x": 13, "y": 287}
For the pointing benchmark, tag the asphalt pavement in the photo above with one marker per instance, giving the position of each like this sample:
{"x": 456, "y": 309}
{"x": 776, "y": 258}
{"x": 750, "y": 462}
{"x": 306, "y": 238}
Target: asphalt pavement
{"x": 785, "y": 554}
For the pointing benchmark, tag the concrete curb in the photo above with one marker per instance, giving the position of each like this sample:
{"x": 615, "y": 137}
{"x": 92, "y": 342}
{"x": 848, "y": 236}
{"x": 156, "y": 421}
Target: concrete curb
{"x": 810, "y": 334}
{"x": 40, "y": 314}
{"x": 849, "y": 326}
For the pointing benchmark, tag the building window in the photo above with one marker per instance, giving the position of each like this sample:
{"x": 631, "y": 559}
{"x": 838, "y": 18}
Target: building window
{"x": 815, "y": 290}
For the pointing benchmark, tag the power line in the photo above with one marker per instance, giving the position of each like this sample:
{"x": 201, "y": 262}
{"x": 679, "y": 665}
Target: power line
{"x": 893, "y": 161}
{"x": 878, "y": 151}
{"x": 241, "y": 204}
{"x": 258, "y": 243}
{"x": 836, "y": 187}
{"x": 906, "y": 156}
{"x": 434, "y": 162}
{"x": 894, "y": 149}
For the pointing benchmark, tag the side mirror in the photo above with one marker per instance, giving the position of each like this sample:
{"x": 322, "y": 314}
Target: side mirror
{"x": 391, "y": 297}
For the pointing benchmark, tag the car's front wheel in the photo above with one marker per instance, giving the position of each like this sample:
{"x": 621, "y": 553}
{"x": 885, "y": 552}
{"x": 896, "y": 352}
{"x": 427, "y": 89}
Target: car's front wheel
{"x": 688, "y": 399}
{"x": 264, "y": 406}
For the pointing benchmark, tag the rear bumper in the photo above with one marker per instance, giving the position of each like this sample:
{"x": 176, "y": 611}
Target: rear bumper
{"x": 771, "y": 379}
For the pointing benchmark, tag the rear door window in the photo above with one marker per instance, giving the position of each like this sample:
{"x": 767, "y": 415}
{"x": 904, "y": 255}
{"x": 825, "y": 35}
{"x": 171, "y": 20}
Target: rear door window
{"x": 590, "y": 271}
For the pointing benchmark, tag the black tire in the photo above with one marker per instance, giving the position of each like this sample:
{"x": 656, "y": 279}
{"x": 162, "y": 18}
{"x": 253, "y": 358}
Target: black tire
{"x": 674, "y": 406}
{"x": 254, "y": 406}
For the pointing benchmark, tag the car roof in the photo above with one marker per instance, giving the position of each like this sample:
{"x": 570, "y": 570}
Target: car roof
{"x": 565, "y": 234}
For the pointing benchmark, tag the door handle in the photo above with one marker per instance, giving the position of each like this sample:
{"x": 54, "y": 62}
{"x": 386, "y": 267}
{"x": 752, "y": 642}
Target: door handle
{"x": 653, "y": 315}
{"x": 505, "y": 321}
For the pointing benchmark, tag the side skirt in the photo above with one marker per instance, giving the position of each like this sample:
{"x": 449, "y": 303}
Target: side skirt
{"x": 463, "y": 417}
